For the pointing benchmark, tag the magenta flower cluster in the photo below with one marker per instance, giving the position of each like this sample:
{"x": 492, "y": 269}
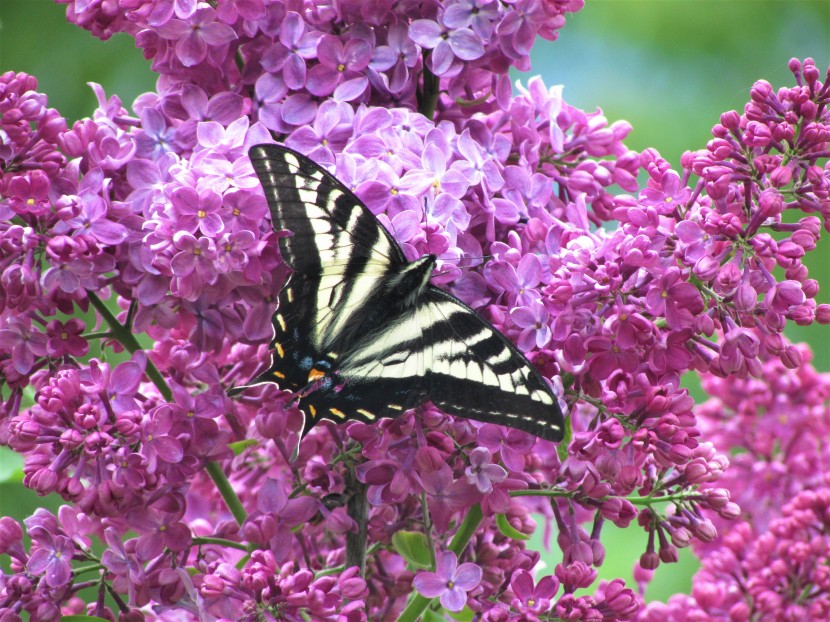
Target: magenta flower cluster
{"x": 152, "y": 224}
{"x": 755, "y": 566}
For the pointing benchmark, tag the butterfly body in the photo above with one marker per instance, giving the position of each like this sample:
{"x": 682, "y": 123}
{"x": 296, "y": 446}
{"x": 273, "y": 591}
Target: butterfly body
{"x": 359, "y": 331}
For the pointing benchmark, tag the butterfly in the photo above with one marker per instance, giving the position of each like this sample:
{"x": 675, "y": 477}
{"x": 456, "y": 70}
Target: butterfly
{"x": 359, "y": 331}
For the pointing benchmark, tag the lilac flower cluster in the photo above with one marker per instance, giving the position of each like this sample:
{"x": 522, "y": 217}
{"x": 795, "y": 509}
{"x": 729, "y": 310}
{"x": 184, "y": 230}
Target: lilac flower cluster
{"x": 156, "y": 221}
{"x": 780, "y": 574}
{"x": 777, "y": 428}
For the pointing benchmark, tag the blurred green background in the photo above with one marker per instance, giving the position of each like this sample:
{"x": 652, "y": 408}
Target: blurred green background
{"x": 669, "y": 67}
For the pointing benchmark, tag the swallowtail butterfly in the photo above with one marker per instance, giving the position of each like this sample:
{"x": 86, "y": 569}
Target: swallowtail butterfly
{"x": 359, "y": 331}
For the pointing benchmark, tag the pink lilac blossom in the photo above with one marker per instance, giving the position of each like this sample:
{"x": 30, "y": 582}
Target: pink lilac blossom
{"x": 155, "y": 220}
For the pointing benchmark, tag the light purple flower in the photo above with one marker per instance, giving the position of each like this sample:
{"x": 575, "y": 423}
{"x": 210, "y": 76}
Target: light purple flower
{"x": 400, "y": 54}
{"x": 477, "y": 166}
{"x": 476, "y": 14}
{"x": 24, "y": 342}
{"x": 482, "y": 472}
{"x": 446, "y": 44}
{"x": 534, "y": 322}
{"x": 517, "y": 284}
{"x": 52, "y": 558}
{"x": 450, "y": 582}
{"x": 529, "y": 598}
{"x": 339, "y": 71}
{"x": 194, "y": 35}
{"x": 289, "y": 56}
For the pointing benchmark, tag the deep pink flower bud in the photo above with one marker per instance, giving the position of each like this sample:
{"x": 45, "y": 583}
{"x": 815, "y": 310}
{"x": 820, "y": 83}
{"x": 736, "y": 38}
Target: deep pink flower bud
{"x": 704, "y": 324}
{"x": 10, "y": 533}
{"x": 42, "y": 481}
{"x": 746, "y": 298}
{"x": 764, "y": 245}
{"x": 716, "y": 498}
{"x": 706, "y": 268}
{"x": 797, "y": 272}
{"x": 803, "y": 315}
{"x": 781, "y": 176}
{"x": 788, "y": 251}
{"x": 730, "y": 120}
{"x": 212, "y": 586}
{"x": 761, "y": 91}
{"x": 730, "y": 511}
{"x": 71, "y": 439}
{"x": 808, "y": 111}
{"x": 791, "y": 357}
{"x": 131, "y": 615}
{"x": 705, "y": 530}
{"x": 70, "y": 488}
{"x": 696, "y": 471}
{"x": 757, "y": 134}
{"x": 649, "y": 560}
{"x": 620, "y": 511}
{"x": 810, "y": 72}
{"x": 805, "y": 239}
{"x": 668, "y": 553}
{"x": 794, "y": 66}
{"x": 728, "y": 278}
{"x": 351, "y": 585}
{"x": 823, "y": 314}
{"x": 680, "y": 537}
{"x": 575, "y": 575}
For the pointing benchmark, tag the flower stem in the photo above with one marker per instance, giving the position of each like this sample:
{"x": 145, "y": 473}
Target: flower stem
{"x": 459, "y": 542}
{"x": 429, "y": 95}
{"x": 122, "y": 335}
{"x": 221, "y": 542}
{"x": 228, "y": 494}
{"x": 358, "y": 509}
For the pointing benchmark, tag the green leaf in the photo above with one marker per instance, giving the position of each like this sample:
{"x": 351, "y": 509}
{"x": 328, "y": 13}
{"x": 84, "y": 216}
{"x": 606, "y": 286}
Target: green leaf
{"x": 433, "y": 616}
{"x": 413, "y": 547}
{"x": 80, "y": 618}
{"x": 11, "y": 466}
{"x": 239, "y": 446}
{"x": 508, "y": 530}
{"x": 465, "y": 615}
{"x": 562, "y": 448}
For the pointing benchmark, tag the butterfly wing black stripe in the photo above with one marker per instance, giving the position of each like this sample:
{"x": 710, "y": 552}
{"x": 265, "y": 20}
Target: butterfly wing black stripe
{"x": 332, "y": 230}
{"x": 476, "y": 372}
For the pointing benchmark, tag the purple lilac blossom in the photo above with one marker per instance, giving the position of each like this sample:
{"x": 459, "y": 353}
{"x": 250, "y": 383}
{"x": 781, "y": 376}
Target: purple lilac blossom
{"x": 154, "y": 219}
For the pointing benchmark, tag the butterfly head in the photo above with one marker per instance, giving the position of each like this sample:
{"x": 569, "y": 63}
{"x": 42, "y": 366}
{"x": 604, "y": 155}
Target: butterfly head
{"x": 411, "y": 280}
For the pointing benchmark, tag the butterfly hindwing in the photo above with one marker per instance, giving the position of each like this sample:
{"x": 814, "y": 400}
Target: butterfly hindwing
{"x": 359, "y": 333}
{"x": 476, "y": 372}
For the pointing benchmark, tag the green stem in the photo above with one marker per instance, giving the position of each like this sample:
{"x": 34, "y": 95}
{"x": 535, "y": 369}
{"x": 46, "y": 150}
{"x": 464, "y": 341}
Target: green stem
{"x": 681, "y": 496}
{"x": 221, "y": 542}
{"x": 541, "y": 493}
{"x": 429, "y": 95}
{"x": 466, "y": 530}
{"x": 357, "y": 508}
{"x": 338, "y": 569}
{"x": 84, "y": 569}
{"x": 228, "y": 494}
{"x": 122, "y": 335}
{"x": 459, "y": 542}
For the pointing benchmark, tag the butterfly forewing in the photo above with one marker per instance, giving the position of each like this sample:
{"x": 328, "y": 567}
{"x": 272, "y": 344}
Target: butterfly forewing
{"x": 358, "y": 334}
{"x": 330, "y": 226}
